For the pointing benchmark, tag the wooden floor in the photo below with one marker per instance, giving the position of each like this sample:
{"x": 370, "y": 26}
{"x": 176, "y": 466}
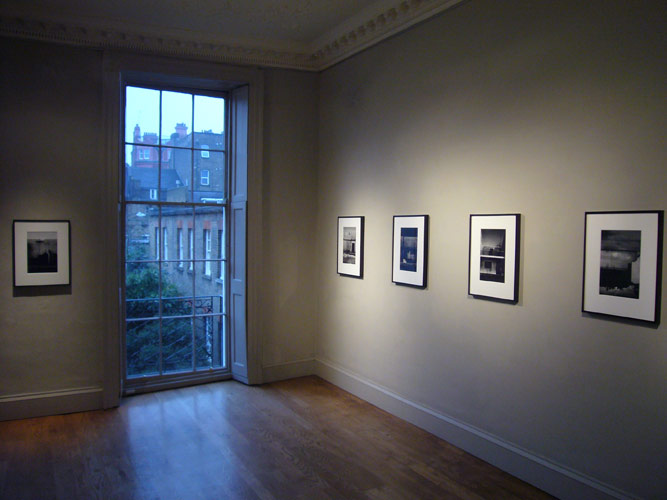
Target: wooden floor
{"x": 298, "y": 439}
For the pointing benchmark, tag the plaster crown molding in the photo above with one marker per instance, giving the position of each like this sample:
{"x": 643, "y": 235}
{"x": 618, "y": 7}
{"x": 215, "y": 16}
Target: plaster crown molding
{"x": 370, "y": 26}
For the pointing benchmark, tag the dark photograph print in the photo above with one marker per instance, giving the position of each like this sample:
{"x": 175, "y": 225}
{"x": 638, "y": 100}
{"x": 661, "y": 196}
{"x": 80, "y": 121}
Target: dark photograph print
{"x": 492, "y": 255}
{"x": 349, "y": 245}
{"x": 42, "y": 252}
{"x": 619, "y": 263}
{"x": 408, "y": 249}
{"x": 623, "y": 264}
{"x": 493, "y": 263}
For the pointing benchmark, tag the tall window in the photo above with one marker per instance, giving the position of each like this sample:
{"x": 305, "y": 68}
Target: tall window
{"x": 191, "y": 249}
{"x": 179, "y": 246}
{"x": 207, "y": 252}
{"x": 165, "y": 244}
{"x": 175, "y": 322}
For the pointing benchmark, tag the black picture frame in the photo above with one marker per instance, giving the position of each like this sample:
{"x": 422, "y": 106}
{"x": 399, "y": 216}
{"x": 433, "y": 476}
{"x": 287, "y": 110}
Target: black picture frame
{"x": 41, "y": 253}
{"x": 622, "y": 274}
{"x": 350, "y": 244}
{"x": 410, "y": 250}
{"x": 493, "y": 256}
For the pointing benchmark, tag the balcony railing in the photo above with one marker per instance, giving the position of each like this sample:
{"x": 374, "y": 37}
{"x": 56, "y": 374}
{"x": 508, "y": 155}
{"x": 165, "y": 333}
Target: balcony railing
{"x": 173, "y": 307}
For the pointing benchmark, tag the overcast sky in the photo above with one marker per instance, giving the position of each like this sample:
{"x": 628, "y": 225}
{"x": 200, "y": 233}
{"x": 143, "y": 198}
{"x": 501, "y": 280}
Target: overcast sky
{"x": 142, "y": 107}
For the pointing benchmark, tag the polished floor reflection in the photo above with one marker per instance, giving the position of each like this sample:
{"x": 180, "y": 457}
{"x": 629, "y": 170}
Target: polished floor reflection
{"x": 299, "y": 439}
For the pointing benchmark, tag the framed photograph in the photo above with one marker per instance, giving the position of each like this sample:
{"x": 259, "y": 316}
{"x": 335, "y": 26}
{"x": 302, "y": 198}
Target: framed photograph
{"x": 351, "y": 246}
{"x": 493, "y": 266}
{"x": 623, "y": 264}
{"x": 41, "y": 253}
{"x": 410, "y": 245}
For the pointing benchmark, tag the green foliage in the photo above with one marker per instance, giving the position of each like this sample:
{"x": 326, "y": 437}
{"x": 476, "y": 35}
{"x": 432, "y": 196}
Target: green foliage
{"x": 142, "y": 290}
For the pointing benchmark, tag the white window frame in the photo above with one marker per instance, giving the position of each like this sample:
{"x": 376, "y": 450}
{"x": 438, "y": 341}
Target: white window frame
{"x": 205, "y": 177}
{"x": 191, "y": 248}
{"x": 212, "y": 302}
{"x": 152, "y": 193}
{"x": 179, "y": 246}
{"x": 205, "y": 153}
{"x": 246, "y": 88}
{"x": 221, "y": 265}
{"x": 207, "y": 252}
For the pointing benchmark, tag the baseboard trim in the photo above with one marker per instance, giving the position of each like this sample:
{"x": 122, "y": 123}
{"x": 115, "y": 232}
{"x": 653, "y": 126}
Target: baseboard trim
{"x": 40, "y": 404}
{"x": 290, "y": 369}
{"x": 551, "y": 477}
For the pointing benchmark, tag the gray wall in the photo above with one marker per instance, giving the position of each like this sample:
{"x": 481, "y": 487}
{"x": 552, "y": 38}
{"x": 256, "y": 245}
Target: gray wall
{"x": 50, "y": 156}
{"x": 53, "y": 166}
{"x": 550, "y": 109}
{"x": 289, "y": 289}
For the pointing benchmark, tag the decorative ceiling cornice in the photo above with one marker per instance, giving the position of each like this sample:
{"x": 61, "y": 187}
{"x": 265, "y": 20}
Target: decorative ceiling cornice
{"x": 358, "y": 33}
{"x": 372, "y": 26}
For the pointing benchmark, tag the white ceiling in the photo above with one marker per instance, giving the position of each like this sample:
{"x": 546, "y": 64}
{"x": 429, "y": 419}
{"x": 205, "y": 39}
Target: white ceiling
{"x": 304, "y": 34}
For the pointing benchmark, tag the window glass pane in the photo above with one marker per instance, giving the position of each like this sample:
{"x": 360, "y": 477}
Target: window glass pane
{"x": 175, "y": 218}
{"x": 164, "y": 243}
{"x": 177, "y": 291}
{"x": 209, "y": 342}
{"x": 209, "y": 300}
{"x": 176, "y": 177}
{"x": 209, "y": 291}
{"x": 141, "y": 290}
{"x": 142, "y": 113}
{"x": 174, "y": 272}
{"x": 177, "y": 119}
{"x": 143, "y": 347}
{"x": 180, "y": 248}
{"x": 141, "y": 173}
{"x": 209, "y": 221}
{"x": 209, "y": 182}
{"x": 210, "y": 117}
{"x": 140, "y": 224}
{"x": 177, "y": 344}
{"x": 191, "y": 249}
